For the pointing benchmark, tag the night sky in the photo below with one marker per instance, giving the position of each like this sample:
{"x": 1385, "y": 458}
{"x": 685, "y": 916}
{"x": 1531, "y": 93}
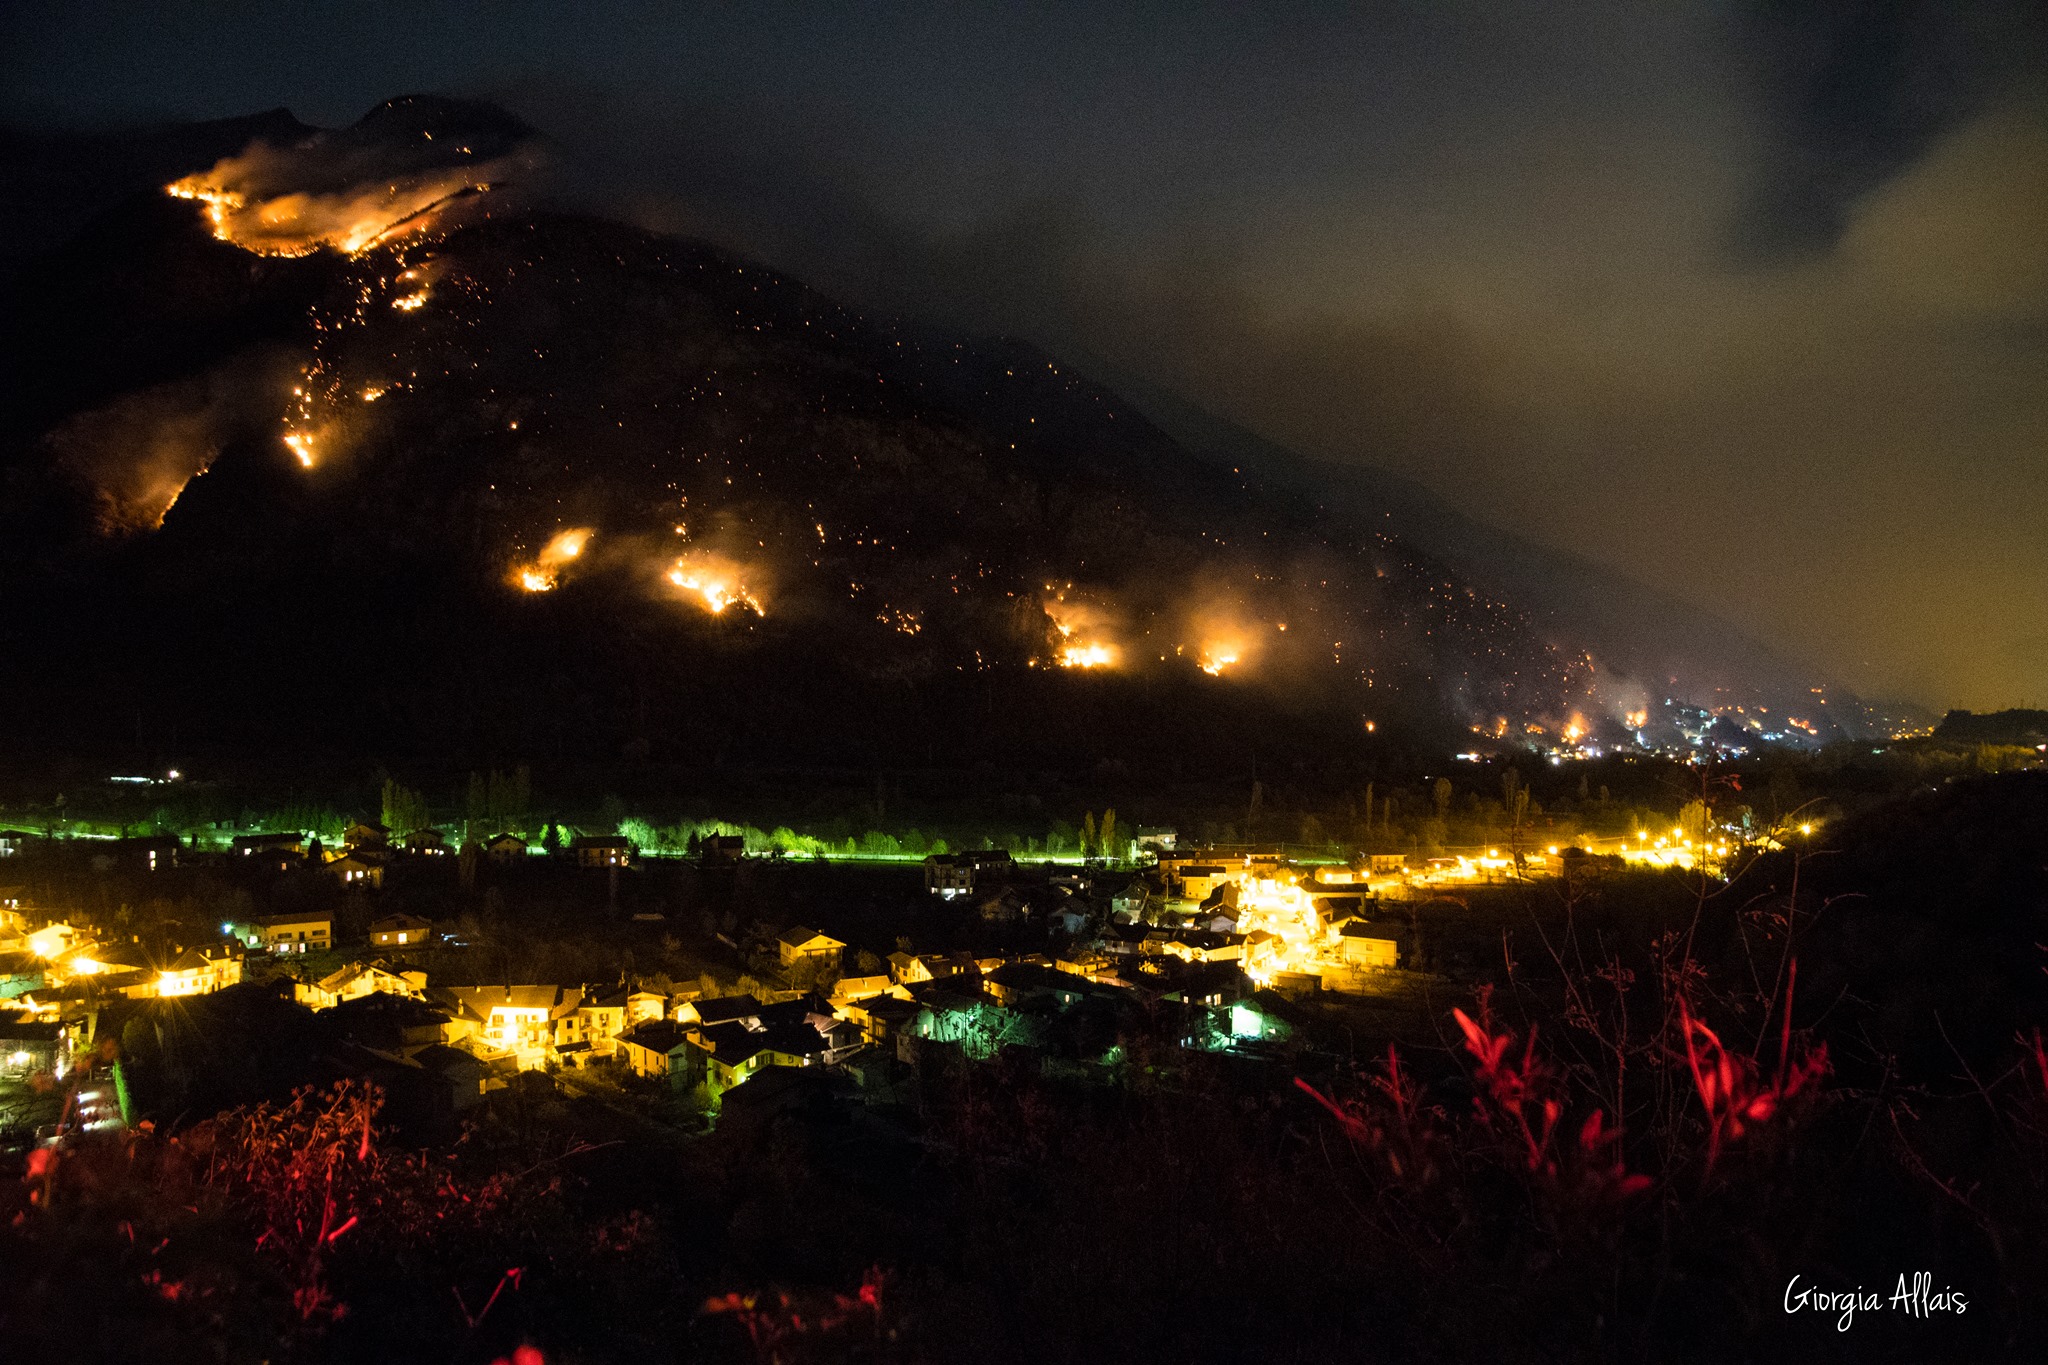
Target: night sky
{"x": 1749, "y": 302}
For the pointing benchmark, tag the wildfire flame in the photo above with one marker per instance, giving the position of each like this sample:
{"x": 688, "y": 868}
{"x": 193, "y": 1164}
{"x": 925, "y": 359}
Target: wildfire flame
{"x": 544, "y": 572}
{"x": 715, "y": 582}
{"x": 1087, "y": 656}
{"x": 299, "y": 223}
{"x": 1084, "y": 641}
{"x": 1216, "y": 656}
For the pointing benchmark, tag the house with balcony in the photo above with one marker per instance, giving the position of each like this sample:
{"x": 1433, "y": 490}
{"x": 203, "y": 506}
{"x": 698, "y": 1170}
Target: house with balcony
{"x": 523, "y": 1023}
{"x": 301, "y": 932}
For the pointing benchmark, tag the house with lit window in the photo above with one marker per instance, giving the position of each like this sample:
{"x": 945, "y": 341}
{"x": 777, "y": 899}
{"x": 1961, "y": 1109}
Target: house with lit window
{"x": 911, "y": 968}
{"x": 203, "y": 970}
{"x": 720, "y": 1056}
{"x": 882, "y": 1018}
{"x": 952, "y": 875}
{"x": 601, "y": 1018}
{"x": 366, "y": 834}
{"x": 426, "y": 843}
{"x": 807, "y": 948}
{"x": 656, "y": 1050}
{"x": 286, "y": 844}
{"x": 1363, "y": 943}
{"x": 522, "y": 1022}
{"x": 28, "y": 1046}
{"x": 304, "y": 932}
{"x": 400, "y": 931}
{"x": 643, "y": 1005}
{"x": 357, "y": 980}
{"x": 357, "y": 872}
{"x": 601, "y": 850}
{"x": 505, "y": 848}
{"x": 152, "y": 853}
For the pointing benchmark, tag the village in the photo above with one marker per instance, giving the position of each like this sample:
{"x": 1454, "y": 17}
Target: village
{"x": 1235, "y": 948}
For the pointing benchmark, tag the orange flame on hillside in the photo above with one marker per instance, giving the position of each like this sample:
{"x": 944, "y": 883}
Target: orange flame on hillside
{"x": 299, "y": 223}
{"x": 1217, "y": 655}
{"x": 545, "y": 571}
{"x": 1084, "y": 640}
{"x": 1088, "y": 656}
{"x": 716, "y": 583}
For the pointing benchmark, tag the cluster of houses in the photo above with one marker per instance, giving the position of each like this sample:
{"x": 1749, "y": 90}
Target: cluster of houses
{"x": 1180, "y": 940}
{"x": 650, "y": 1029}
{"x": 55, "y": 976}
{"x": 1201, "y": 906}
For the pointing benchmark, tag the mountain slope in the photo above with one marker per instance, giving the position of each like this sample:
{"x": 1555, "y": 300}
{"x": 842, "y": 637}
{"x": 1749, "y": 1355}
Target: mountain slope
{"x": 415, "y": 470}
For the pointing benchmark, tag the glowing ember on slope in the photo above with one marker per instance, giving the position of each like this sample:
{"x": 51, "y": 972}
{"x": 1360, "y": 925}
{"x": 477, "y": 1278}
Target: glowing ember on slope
{"x": 715, "y": 582}
{"x": 545, "y": 571}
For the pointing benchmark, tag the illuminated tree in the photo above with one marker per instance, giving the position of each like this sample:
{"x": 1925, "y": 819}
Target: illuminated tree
{"x": 1694, "y": 822}
{"x": 1515, "y": 798}
{"x": 1438, "y": 829}
{"x": 404, "y": 809}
